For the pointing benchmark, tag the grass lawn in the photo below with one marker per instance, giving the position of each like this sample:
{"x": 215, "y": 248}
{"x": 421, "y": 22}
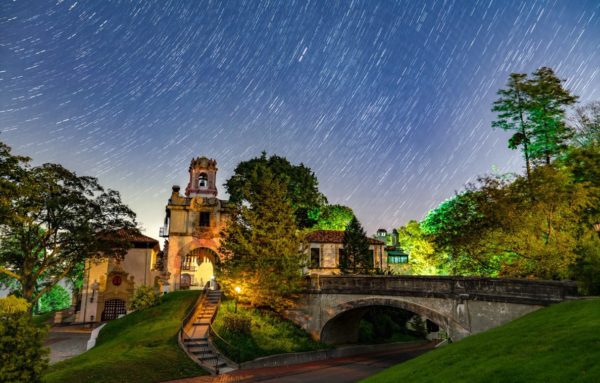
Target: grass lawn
{"x": 560, "y": 343}
{"x": 141, "y": 347}
{"x": 269, "y": 334}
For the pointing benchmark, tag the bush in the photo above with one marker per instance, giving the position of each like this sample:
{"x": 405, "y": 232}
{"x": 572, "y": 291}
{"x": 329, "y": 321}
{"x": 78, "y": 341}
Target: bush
{"x": 144, "y": 296}
{"x": 56, "y": 299}
{"x": 22, "y": 355}
{"x": 237, "y": 323}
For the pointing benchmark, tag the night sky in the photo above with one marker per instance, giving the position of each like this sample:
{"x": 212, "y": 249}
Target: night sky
{"x": 388, "y": 102}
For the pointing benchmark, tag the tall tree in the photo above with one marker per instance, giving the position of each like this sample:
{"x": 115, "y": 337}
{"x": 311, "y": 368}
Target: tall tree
{"x": 512, "y": 108}
{"x": 548, "y": 100}
{"x": 56, "y": 221}
{"x": 301, "y": 185}
{"x": 262, "y": 246}
{"x": 356, "y": 257}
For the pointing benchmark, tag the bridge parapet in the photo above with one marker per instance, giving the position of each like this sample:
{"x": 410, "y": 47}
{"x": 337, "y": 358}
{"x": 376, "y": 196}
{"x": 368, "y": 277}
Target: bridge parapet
{"x": 525, "y": 291}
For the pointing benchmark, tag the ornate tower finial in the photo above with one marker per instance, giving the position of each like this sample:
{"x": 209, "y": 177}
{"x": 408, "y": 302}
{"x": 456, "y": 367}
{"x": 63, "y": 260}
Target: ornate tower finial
{"x": 203, "y": 177}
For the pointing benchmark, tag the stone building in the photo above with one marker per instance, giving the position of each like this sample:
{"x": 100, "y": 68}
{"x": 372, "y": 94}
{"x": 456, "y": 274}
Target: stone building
{"x": 192, "y": 227}
{"x": 324, "y": 249}
{"x": 108, "y": 284}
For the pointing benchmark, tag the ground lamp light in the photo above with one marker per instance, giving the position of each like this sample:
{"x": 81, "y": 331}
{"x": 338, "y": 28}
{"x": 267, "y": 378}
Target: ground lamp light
{"x": 597, "y": 227}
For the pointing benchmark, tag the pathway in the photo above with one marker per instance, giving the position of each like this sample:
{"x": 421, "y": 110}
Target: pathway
{"x": 66, "y": 342}
{"x": 196, "y": 333}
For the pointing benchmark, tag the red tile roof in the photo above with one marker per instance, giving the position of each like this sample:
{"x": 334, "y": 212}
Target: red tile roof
{"x": 333, "y": 236}
{"x": 135, "y": 237}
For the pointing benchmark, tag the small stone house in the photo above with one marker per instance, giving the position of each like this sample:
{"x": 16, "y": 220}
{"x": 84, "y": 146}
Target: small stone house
{"x": 109, "y": 283}
{"x": 324, "y": 248}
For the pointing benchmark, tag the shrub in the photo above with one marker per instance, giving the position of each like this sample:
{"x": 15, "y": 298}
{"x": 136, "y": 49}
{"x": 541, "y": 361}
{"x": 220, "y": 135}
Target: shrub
{"x": 57, "y": 298}
{"x": 144, "y": 296}
{"x": 22, "y": 355}
{"x": 237, "y": 323}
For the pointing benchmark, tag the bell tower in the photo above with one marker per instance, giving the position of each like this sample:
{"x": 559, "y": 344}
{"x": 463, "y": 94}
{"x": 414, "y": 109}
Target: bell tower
{"x": 203, "y": 177}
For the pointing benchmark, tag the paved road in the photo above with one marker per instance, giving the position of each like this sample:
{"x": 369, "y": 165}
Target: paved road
{"x": 66, "y": 342}
{"x": 339, "y": 370}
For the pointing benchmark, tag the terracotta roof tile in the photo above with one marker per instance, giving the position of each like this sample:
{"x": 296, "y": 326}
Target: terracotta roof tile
{"x": 333, "y": 236}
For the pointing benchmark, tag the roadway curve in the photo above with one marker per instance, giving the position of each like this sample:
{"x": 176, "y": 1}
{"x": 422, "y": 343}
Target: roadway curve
{"x": 338, "y": 370}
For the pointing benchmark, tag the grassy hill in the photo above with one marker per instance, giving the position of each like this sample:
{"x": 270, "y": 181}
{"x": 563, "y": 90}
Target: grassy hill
{"x": 141, "y": 347}
{"x": 560, "y": 343}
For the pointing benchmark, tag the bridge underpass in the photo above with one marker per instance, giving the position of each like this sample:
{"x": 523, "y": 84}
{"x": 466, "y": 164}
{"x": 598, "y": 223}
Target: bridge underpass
{"x": 332, "y": 306}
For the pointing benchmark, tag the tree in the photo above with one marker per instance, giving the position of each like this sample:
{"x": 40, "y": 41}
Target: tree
{"x": 586, "y": 123}
{"x": 512, "y": 108}
{"x": 333, "y": 217}
{"x": 459, "y": 230}
{"x": 356, "y": 257}
{"x": 144, "y": 297}
{"x": 55, "y": 299}
{"x": 23, "y": 357}
{"x": 261, "y": 245}
{"x": 300, "y": 183}
{"x": 548, "y": 99}
{"x": 56, "y": 220}
{"x": 419, "y": 247}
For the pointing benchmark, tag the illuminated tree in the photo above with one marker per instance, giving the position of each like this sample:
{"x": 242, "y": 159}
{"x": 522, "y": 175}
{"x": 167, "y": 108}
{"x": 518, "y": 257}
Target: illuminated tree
{"x": 419, "y": 247}
{"x": 548, "y": 99}
{"x": 262, "y": 246}
{"x": 512, "y": 108}
{"x": 333, "y": 217}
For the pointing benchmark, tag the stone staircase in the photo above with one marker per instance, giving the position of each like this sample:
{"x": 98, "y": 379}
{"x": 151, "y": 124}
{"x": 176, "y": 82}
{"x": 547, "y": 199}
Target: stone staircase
{"x": 197, "y": 331}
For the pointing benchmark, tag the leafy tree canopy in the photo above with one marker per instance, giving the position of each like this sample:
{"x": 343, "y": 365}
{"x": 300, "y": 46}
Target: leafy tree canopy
{"x": 23, "y": 357}
{"x": 301, "y": 185}
{"x": 262, "y": 246}
{"x": 333, "y": 217}
{"x": 56, "y": 219}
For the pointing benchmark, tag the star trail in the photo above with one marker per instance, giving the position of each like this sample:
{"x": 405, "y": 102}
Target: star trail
{"x": 388, "y": 102}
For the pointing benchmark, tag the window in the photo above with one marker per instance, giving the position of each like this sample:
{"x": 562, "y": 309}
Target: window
{"x": 341, "y": 256}
{"x": 315, "y": 258}
{"x": 204, "y": 219}
{"x": 371, "y": 258}
{"x": 202, "y": 180}
{"x": 397, "y": 259}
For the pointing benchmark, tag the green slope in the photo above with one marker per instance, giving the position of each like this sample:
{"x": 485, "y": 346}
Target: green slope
{"x": 560, "y": 343}
{"x": 141, "y": 347}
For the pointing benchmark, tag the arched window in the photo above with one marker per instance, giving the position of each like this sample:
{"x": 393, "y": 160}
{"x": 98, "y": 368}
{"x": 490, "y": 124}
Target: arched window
{"x": 202, "y": 180}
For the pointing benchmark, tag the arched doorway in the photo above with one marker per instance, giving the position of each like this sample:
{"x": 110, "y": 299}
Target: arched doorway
{"x": 113, "y": 308}
{"x": 198, "y": 268}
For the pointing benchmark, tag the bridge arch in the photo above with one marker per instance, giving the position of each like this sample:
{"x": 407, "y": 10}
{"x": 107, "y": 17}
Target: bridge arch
{"x": 341, "y": 323}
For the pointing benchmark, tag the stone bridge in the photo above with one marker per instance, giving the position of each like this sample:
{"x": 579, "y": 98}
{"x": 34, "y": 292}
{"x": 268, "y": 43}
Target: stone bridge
{"x": 332, "y": 306}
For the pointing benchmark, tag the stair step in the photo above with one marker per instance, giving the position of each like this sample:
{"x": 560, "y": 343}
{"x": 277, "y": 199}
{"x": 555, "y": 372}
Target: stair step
{"x": 197, "y": 346}
{"x": 188, "y": 340}
{"x": 207, "y": 357}
{"x": 201, "y": 324}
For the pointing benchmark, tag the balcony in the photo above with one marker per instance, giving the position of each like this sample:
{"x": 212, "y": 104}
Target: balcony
{"x": 163, "y": 232}
{"x": 188, "y": 268}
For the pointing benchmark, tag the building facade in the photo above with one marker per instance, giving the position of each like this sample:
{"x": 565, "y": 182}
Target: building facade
{"x": 325, "y": 247}
{"x": 109, "y": 283}
{"x": 192, "y": 227}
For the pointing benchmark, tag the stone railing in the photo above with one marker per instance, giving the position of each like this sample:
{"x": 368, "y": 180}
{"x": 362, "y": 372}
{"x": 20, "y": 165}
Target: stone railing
{"x": 472, "y": 288}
